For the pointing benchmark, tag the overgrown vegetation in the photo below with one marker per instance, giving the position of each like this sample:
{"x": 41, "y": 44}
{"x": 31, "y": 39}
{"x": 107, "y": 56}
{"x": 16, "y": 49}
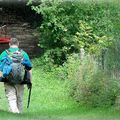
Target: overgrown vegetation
{"x": 69, "y": 25}
{"x": 94, "y": 26}
{"x": 50, "y": 101}
{"x": 89, "y": 85}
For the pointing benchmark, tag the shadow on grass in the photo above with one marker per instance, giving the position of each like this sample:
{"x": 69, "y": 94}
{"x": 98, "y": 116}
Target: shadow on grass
{"x": 73, "y": 111}
{"x": 57, "y": 114}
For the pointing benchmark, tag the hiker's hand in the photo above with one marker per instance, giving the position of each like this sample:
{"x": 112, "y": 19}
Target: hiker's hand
{"x": 1, "y": 74}
{"x": 29, "y": 85}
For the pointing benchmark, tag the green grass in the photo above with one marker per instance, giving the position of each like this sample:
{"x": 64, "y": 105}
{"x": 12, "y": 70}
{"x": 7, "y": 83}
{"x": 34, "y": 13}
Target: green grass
{"x": 50, "y": 101}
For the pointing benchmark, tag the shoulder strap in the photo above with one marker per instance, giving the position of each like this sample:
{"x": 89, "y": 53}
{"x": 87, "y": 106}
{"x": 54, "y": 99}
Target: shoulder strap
{"x": 20, "y": 50}
{"x": 8, "y": 51}
{"x": 10, "y": 54}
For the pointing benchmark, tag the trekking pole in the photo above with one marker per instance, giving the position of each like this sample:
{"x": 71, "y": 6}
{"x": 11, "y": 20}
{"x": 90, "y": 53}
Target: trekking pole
{"x": 29, "y": 84}
{"x": 29, "y": 97}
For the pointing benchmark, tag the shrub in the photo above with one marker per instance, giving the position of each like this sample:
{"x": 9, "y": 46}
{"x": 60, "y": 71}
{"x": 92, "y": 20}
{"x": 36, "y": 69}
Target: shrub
{"x": 91, "y": 86}
{"x": 69, "y": 25}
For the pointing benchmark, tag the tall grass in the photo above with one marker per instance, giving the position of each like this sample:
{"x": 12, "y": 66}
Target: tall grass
{"x": 90, "y": 85}
{"x": 50, "y": 101}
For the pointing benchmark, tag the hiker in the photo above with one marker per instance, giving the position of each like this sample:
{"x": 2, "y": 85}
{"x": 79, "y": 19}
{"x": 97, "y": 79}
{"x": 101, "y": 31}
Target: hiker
{"x": 14, "y": 79}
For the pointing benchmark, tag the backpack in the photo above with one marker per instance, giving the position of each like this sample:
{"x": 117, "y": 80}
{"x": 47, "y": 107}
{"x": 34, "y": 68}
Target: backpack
{"x": 17, "y": 73}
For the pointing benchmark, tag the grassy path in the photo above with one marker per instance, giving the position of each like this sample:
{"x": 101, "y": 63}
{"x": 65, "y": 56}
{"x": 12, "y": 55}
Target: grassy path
{"x": 49, "y": 101}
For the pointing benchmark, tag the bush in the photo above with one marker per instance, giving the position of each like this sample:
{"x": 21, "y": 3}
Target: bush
{"x": 91, "y": 86}
{"x": 69, "y": 25}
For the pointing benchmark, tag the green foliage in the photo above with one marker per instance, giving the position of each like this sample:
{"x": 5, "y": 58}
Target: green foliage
{"x": 50, "y": 101}
{"x": 89, "y": 85}
{"x": 69, "y": 25}
{"x": 112, "y": 55}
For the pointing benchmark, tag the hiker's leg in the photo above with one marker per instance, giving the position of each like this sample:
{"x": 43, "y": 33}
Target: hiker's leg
{"x": 20, "y": 91}
{"x": 11, "y": 96}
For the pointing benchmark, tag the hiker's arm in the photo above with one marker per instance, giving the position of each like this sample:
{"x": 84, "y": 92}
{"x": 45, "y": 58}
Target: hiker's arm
{"x": 27, "y": 62}
{"x": 30, "y": 75}
{"x": 29, "y": 78}
{"x": 3, "y": 54}
{"x": 28, "y": 67}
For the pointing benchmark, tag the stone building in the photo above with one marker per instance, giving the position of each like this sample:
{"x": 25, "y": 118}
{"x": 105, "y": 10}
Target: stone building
{"x": 18, "y": 20}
